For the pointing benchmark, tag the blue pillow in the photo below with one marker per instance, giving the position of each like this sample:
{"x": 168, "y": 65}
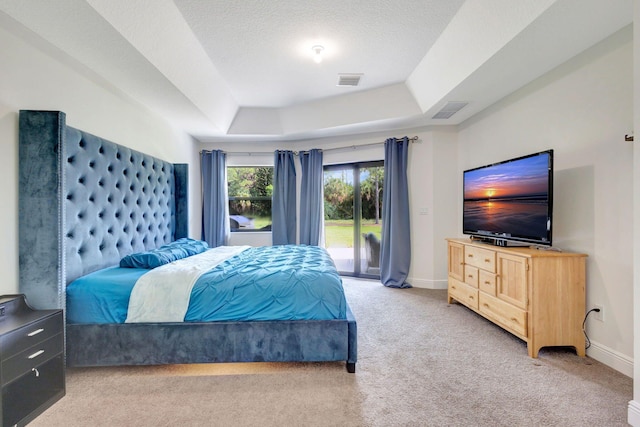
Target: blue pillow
{"x": 165, "y": 254}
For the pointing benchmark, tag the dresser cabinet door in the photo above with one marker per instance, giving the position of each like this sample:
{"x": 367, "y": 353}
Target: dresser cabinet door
{"x": 512, "y": 279}
{"x": 456, "y": 261}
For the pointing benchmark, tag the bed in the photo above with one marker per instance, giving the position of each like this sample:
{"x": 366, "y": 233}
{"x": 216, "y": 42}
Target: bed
{"x": 85, "y": 203}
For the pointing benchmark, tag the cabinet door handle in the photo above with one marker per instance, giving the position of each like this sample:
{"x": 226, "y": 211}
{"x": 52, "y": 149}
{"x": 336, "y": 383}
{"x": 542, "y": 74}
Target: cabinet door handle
{"x": 36, "y": 354}
{"x": 36, "y": 371}
{"x": 36, "y": 332}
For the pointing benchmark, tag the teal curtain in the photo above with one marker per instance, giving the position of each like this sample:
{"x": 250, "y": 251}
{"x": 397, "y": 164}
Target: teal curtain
{"x": 215, "y": 206}
{"x": 395, "y": 248}
{"x": 311, "y": 197}
{"x": 283, "y": 207}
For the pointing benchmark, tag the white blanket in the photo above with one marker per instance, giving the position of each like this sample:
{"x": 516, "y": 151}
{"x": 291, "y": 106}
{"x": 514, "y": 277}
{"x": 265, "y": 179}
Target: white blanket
{"x": 162, "y": 294}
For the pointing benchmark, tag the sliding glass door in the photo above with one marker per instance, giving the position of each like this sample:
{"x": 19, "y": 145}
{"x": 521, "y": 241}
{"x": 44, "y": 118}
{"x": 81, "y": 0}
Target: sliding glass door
{"x": 353, "y": 216}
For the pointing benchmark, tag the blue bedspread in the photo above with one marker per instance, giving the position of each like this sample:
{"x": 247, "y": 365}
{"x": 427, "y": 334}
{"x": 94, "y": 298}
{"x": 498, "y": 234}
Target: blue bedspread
{"x": 263, "y": 283}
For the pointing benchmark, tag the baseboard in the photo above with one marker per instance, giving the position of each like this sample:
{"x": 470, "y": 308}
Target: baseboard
{"x": 633, "y": 416}
{"x": 611, "y": 358}
{"x": 427, "y": 284}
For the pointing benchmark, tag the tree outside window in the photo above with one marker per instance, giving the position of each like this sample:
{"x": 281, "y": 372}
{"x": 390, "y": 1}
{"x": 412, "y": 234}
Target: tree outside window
{"x": 250, "y": 190}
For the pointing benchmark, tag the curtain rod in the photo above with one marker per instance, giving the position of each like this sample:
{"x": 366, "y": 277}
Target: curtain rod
{"x": 352, "y": 147}
{"x": 372, "y": 144}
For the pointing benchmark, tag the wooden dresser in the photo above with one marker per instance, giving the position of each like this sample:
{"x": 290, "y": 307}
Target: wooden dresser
{"x": 538, "y": 295}
{"x": 31, "y": 360}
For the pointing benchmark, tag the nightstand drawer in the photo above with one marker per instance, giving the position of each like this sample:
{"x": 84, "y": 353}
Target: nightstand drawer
{"x": 27, "y": 336}
{"x": 30, "y": 358}
{"x": 29, "y": 395}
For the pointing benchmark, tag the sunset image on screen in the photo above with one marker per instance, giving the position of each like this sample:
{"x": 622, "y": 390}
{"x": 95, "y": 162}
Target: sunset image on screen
{"x": 526, "y": 178}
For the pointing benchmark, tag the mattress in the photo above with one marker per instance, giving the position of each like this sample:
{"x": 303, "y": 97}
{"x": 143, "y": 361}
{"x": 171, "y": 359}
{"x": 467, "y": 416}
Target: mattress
{"x": 289, "y": 282}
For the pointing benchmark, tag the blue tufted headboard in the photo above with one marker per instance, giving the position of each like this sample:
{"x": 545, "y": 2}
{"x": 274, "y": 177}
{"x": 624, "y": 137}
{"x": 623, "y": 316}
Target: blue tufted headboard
{"x": 85, "y": 202}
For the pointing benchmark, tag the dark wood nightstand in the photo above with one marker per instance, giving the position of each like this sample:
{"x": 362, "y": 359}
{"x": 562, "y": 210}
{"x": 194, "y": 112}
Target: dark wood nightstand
{"x": 32, "y": 374}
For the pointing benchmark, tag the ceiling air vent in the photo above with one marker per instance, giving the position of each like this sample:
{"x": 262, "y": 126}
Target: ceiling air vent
{"x": 349, "y": 79}
{"x": 449, "y": 110}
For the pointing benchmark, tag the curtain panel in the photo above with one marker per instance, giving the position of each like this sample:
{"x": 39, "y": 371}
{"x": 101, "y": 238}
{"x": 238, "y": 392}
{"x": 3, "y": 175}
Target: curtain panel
{"x": 283, "y": 208}
{"x": 215, "y": 206}
{"x": 395, "y": 247}
{"x": 311, "y": 197}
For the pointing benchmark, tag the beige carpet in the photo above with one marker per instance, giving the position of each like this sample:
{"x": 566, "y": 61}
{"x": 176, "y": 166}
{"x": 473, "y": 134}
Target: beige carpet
{"x": 421, "y": 363}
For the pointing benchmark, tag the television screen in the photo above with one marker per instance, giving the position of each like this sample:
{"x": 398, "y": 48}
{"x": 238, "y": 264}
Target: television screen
{"x": 510, "y": 200}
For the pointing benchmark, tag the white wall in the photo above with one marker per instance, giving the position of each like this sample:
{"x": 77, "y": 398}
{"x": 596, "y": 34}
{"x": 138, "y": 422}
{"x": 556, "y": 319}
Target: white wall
{"x": 634, "y": 405}
{"x": 31, "y": 79}
{"x": 582, "y": 110}
{"x": 443, "y": 218}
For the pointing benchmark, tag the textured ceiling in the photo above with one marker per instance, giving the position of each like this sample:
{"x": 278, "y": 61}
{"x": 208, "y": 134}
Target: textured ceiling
{"x": 243, "y": 70}
{"x": 263, "y": 48}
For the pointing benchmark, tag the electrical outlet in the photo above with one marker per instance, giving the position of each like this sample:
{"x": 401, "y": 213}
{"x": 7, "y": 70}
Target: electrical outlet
{"x": 599, "y": 315}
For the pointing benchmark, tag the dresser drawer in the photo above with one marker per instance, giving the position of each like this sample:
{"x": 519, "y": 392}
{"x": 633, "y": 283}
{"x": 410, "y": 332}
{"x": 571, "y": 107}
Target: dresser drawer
{"x": 30, "y": 358}
{"x": 471, "y": 276}
{"x": 487, "y": 282}
{"x": 27, "y": 336}
{"x": 503, "y": 313}
{"x": 463, "y": 293}
{"x": 484, "y": 259}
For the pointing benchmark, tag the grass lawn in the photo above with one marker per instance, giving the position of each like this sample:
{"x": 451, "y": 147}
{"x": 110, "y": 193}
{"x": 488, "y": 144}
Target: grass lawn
{"x": 259, "y": 222}
{"x": 339, "y": 233}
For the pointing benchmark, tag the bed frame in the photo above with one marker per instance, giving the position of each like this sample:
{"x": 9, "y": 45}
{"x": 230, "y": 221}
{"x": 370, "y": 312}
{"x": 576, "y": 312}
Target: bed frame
{"x": 84, "y": 203}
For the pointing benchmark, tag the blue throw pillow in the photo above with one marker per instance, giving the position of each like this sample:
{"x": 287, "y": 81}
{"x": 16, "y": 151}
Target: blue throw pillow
{"x": 165, "y": 254}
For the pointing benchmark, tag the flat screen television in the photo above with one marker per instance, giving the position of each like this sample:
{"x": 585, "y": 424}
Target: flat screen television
{"x": 510, "y": 201}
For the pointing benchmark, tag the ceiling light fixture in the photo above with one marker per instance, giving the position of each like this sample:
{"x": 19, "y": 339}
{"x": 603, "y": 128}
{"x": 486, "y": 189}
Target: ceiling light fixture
{"x": 317, "y": 53}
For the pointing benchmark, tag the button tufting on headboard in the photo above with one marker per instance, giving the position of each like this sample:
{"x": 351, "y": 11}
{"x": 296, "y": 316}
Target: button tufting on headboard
{"x": 114, "y": 195}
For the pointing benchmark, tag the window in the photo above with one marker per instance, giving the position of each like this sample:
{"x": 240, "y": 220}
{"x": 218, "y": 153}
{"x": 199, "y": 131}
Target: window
{"x": 250, "y": 190}
{"x": 353, "y": 216}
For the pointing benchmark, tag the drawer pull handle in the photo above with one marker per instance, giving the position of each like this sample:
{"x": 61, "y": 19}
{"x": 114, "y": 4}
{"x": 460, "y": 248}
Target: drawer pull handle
{"x": 514, "y": 320}
{"x": 36, "y": 371}
{"x": 470, "y": 256}
{"x": 36, "y": 354}
{"x": 486, "y": 305}
{"x": 36, "y": 332}
{"x": 487, "y": 260}
{"x": 486, "y": 282}
{"x": 470, "y": 275}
